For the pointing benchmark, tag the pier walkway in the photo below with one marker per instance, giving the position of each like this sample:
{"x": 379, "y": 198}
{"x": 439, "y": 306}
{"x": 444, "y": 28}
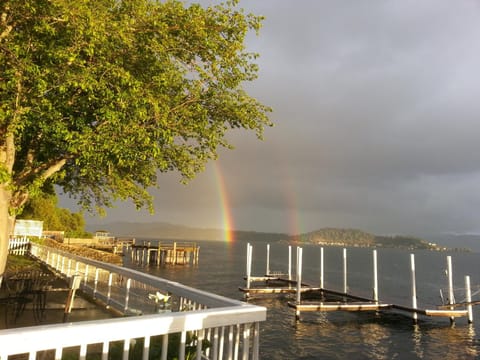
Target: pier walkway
{"x": 174, "y": 253}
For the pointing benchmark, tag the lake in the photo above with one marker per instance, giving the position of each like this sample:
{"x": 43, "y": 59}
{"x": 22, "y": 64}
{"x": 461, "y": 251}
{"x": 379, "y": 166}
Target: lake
{"x": 346, "y": 335}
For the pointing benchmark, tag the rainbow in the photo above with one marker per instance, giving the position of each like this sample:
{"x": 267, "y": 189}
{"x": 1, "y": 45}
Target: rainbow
{"x": 293, "y": 220}
{"x": 223, "y": 196}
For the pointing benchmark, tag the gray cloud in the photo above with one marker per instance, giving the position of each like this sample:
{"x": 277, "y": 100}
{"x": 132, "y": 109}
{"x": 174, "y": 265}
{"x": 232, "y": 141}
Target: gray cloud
{"x": 376, "y": 112}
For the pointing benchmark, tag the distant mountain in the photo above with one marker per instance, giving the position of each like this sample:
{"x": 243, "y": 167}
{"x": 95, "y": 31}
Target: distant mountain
{"x": 325, "y": 236}
{"x": 335, "y": 236}
{"x": 162, "y": 230}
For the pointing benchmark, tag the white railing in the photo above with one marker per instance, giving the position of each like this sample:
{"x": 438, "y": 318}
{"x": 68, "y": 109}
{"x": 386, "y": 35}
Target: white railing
{"x": 193, "y": 324}
{"x": 18, "y": 245}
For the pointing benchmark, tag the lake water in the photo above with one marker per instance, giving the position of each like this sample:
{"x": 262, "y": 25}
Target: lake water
{"x": 342, "y": 335}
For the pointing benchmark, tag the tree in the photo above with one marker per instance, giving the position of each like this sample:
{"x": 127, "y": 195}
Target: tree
{"x": 101, "y": 97}
{"x": 44, "y": 207}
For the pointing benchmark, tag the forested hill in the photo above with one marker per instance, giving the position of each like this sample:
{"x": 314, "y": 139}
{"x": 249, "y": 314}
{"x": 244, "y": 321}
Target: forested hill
{"x": 359, "y": 238}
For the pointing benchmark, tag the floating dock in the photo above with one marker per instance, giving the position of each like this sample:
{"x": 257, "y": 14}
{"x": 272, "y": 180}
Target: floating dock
{"x": 171, "y": 253}
{"x": 309, "y": 298}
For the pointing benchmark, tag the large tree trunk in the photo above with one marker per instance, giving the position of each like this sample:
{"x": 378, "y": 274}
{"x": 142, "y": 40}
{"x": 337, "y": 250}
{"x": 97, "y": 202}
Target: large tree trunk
{"x": 6, "y": 226}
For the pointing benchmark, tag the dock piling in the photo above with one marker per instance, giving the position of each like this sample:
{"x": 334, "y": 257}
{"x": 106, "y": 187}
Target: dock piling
{"x": 345, "y": 285}
{"x": 289, "y": 262}
{"x": 324, "y": 300}
{"x": 322, "y": 265}
{"x": 375, "y": 277}
{"x": 267, "y": 271}
{"x": 451, "y": 295}
{"x": 249, "y": 265}
{"x": 299, "y": 281}
{"x": 468, "y": 291}
{"x": 414, "y": 288}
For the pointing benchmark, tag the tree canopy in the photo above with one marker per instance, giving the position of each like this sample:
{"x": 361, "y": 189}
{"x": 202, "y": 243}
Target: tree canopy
{"x": 100, "y": 97}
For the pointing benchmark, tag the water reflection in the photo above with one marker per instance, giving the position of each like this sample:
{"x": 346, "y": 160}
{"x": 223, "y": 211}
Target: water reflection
{"x": 341, "y": 335}
{"x": 376, "y": 338}
{"x": 455, "y": 342}
{"x": 417, "y": 341}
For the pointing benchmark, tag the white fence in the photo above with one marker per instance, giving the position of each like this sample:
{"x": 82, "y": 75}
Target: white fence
{"x": 18, "y": 245}
{"x": 192, "y": 324}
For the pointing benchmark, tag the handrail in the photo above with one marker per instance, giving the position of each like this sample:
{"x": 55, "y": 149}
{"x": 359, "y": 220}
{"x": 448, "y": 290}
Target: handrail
{"x": 208, "y": 317}
{"x": 203, "y": 297}
{"x": 45, "y": 337}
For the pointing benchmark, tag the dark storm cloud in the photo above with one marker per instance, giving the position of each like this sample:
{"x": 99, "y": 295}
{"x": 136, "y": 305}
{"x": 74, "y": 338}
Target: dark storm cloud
{"x": 377, "y": 122}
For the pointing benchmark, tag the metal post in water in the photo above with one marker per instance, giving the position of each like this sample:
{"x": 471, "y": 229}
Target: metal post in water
{"x": 345, "y": 286}
{"x": 414, "y": 287}
{"x": 289, "y": 262}
{"x": 375, "y": 277}
{"x": 469, "y": 299}
{"x": 299, "y": 273}
{"x": 299, "y": 280}
{"x": 451, "y": 296}
{"x": 174, "y": 253}
{"x": 249, "y": 264}
{"x": 321, "y": 268}
{"x": 268, "y": 260}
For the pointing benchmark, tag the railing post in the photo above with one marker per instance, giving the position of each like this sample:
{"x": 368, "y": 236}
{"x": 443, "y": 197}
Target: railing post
{"x": 246, "y": 341}
{"x": 95, "y": 284}
{"x": 58, "y": 353}
{"x": 85, "y": 279}
{"x": 201, "y": 336}
{"x": 105, "y": 346}
{"x": 69, "y": 267}
{"x": 126, "y": 348}
{"x": 146, "y": 348}
{"x": 237, "y": 343}
{"x": 181, "y": 350}
{"x": 83, "y": 352}
{"x": 256, "y": 342}
{"x": 57, "y": 266}
{"x": 230, "y": 342}
{"x": 163, "y": 356}
{"x": 222, "y": 343}
{"x": 109, "y": 291}
{"x": 127, "y": 293}
{"x": 215, "y": 344}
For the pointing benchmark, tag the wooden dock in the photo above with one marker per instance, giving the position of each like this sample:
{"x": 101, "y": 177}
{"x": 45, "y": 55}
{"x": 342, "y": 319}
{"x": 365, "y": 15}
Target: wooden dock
{"x": 171, "y": 253}
{"x": 309, "y": 298}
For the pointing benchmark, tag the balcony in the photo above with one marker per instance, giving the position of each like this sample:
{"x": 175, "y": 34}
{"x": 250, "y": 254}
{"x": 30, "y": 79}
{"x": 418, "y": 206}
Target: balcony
{"x": 158, "y": 318}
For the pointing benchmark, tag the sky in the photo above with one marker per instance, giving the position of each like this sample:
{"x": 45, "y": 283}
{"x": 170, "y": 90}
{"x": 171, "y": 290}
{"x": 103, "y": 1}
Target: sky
{"x": 377, "y": 127}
